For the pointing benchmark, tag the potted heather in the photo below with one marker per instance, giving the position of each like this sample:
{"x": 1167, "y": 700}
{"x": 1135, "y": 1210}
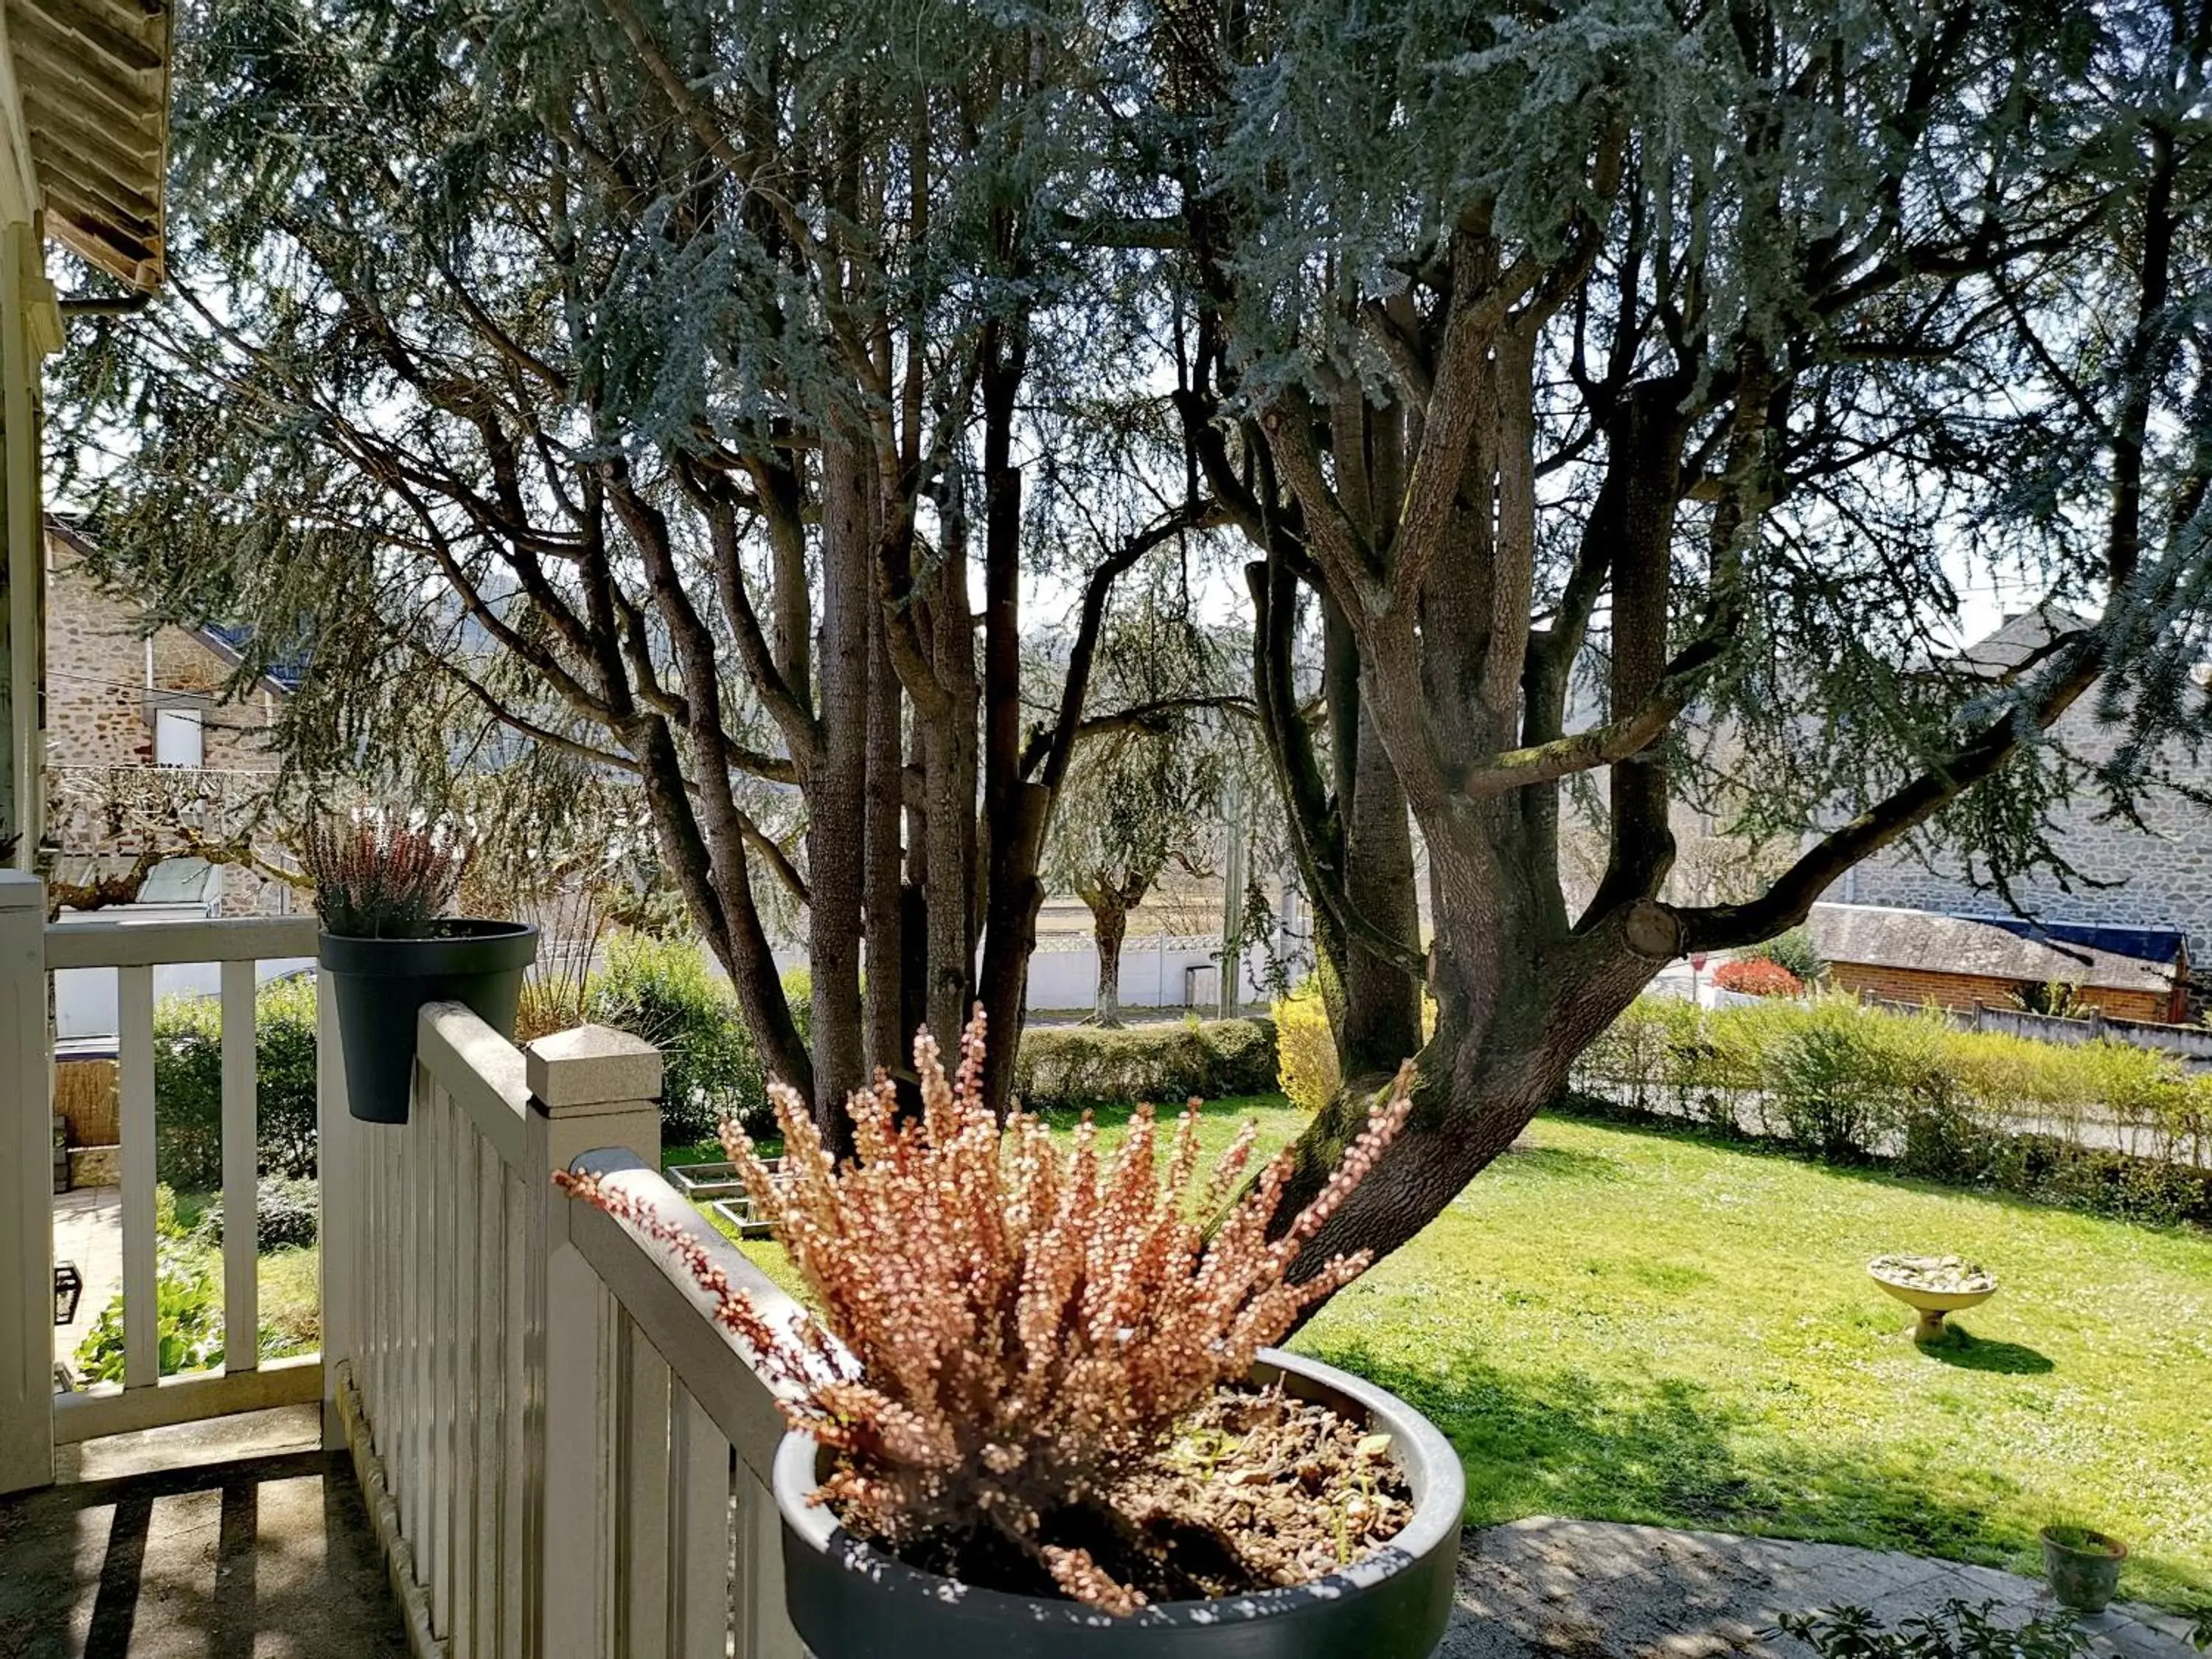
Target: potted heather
{"x": 1040, "y": 1414}
{"x": 382, "y": 889}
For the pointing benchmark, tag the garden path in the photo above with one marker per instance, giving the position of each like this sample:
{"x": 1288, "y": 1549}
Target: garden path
{"x": 1582, "y": 1589}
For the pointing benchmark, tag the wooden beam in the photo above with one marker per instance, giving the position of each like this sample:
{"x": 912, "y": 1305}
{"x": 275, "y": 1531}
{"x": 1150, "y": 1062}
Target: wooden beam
{"x": 122, "y": 143}
{"x": 94, "y": 30}
{"x": 110, "y": 200}
{"x": 45, "y": 58}
{"x": 139, "y": 266}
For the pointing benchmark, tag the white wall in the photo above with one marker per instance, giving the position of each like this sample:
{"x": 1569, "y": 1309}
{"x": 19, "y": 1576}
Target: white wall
{"x": 85, "y": 998}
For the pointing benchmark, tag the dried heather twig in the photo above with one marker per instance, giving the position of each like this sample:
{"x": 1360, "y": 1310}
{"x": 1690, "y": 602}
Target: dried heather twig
{"x": 1018, "y": 1326}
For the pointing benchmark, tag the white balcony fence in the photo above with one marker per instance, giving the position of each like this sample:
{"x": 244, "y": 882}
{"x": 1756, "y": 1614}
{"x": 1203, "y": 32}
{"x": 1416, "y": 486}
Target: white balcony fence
{"x": 562, "y": 1453}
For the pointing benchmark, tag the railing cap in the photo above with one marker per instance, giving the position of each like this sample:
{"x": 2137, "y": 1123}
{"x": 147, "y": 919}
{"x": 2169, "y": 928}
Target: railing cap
{"x": 591, "y": 1066}
{"x": 20, "y": 891}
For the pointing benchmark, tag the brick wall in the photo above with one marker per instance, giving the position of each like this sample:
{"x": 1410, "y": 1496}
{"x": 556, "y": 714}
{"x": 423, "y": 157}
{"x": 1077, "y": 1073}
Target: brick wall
{"x": 1963, "y": 991}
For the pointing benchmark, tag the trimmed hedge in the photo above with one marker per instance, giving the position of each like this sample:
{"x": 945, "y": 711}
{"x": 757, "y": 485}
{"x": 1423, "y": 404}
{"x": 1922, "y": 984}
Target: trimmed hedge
{"x": 188, "y": 1085}
{"x": 2101, "y": 1125}
{"x": 1080, "y": 1067}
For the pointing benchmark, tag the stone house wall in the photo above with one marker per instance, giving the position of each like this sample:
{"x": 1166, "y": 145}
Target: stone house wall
{"x": 99, "y": 705}
{"x": 2161, "y": 876}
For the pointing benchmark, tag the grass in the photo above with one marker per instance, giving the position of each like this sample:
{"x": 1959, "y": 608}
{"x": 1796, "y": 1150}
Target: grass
{"x": 1623, "y": 1324}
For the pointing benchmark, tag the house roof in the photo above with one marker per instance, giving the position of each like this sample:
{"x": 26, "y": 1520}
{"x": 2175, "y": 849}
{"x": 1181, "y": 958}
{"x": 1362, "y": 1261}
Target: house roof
{"x": 92, "y": 79}
{"x": 1878, "y": 936}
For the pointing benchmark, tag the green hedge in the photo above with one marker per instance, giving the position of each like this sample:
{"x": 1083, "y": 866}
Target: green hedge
{"x": 188, "y": 1085}
{"x": 1852, "y": 1085}
{"x": 1074, "y": 1067}
{"x": 665, "y": 991}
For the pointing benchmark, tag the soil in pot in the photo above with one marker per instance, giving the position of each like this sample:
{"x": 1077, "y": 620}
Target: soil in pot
{"x": 1258, "y": 1489}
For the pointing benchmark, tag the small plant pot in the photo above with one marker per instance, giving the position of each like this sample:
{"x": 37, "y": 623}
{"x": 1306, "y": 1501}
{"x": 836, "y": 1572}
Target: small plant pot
{"x": 2082, "y": 1567}
{"x": 380, "y": 985}
{"x": 851, "y": 1600}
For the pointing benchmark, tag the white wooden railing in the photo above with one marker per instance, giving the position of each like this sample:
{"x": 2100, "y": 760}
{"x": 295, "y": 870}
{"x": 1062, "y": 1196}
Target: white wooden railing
{"x": 133, "y": 950}
{"x": 562, "y": 1452}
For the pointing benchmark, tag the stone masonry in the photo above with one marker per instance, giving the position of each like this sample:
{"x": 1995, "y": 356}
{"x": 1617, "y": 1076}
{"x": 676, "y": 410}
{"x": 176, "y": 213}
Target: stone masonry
{"x": 105, "y": 679}
{"x": 2161, "y": 873}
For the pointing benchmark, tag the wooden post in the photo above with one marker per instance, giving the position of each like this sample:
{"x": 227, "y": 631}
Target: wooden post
{"x": 590, "y": 1088}
{"x": 26, "y": 1212}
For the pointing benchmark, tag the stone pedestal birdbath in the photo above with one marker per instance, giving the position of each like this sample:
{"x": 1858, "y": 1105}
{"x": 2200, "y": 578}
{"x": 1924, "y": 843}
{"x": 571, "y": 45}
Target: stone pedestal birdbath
{"x": 1933, "y": 1286}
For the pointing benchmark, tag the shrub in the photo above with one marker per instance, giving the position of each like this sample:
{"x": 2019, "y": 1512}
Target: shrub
{"x": 188, "y": 1324}
{"x": 1305, "y": 1049}
{"x": 1957, "y": 1631}
{"x": 378, "y": 878}
{"x": 1079, "y": 1067}
{"x": 664, "y": 991}
{"x": 1793, "y": 951}
{"x": 188, "y": 1085}
{"x": 286, "y": 1214}
{"x": 1018, "y": 1326}
{"x": 1756, "y": 976}
{"x": 1850, "y": 1084}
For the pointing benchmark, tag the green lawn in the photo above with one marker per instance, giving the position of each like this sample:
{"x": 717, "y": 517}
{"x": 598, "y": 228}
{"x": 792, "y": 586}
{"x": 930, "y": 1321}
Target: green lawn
{"x": 1626, "y": 1324}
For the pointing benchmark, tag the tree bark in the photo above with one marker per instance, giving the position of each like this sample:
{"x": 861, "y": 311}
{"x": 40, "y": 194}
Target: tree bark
{"x": 836, "y": 790}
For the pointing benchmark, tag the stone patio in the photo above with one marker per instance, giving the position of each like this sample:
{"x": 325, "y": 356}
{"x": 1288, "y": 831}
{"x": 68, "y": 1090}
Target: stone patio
{"x": 1578, "y": 1589}
{"x": 266, "y": 1556}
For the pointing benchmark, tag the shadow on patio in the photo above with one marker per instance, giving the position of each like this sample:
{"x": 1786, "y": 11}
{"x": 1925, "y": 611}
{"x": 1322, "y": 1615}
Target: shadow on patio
{"x": 268, "y": 1556}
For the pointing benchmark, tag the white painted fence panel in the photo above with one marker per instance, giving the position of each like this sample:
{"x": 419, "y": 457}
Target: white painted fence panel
{"x": 132, "y": 955}
{"x": 564, "y": 1454}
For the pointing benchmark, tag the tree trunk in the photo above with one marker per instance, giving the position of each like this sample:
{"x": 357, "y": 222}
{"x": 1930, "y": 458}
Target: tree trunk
{"x": 1109, "y": 926}
{"x": 887, "y": 1033}
{"x": 837, "y": 791}
{"x": 1517, "y": 1000}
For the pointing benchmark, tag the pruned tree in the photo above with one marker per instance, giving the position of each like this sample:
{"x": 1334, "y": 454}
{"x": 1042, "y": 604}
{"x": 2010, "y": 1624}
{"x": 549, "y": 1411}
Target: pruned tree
{"x": 1146, "y": 795}
{"x": 1685, "y": 353}
{"x": 655, "y": 378}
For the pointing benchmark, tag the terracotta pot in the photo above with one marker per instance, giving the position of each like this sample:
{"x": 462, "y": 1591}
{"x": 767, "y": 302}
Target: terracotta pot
{"x": 850, "y": 1600}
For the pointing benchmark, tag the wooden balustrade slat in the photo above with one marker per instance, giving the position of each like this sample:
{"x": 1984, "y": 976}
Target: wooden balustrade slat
{"x": 642, "y": 1539}
{"x": 699, "y": 1508}
{"x": 134, "y": 1082}
{"x": 241, "y": 1201}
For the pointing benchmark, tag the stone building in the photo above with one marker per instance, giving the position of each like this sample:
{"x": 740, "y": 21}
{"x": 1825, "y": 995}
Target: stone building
{"x": 1957, "y": 962}
{"x": 2157, "y": 877}
{"x": 143, "y": 747}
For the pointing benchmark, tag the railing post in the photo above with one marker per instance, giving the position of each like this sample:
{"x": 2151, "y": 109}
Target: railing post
{"x": 590, "y": 1088}
{"x": 26, "y": 1212}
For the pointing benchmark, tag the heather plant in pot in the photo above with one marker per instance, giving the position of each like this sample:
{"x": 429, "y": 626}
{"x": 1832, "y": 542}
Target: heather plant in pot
{"x": 382, "y": 889}
{"x": 1037, "y": 1412}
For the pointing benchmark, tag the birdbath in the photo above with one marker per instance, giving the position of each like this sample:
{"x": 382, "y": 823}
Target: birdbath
{"x": 1933, "y": 1286}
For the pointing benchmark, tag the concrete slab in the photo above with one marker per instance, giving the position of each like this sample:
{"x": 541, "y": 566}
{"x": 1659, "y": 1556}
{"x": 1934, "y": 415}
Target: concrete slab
{"x": 267, "y": 1559}
{"x": 1580, "y": 1589}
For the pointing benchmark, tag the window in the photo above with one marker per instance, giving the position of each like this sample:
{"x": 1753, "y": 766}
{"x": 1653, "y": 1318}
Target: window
{"x": 177, "y": 737}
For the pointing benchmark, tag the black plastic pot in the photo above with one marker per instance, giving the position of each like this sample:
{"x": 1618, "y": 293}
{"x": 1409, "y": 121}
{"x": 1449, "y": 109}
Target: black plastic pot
{"x": 381, "y": 984}
{"x": 850, "y": 1600}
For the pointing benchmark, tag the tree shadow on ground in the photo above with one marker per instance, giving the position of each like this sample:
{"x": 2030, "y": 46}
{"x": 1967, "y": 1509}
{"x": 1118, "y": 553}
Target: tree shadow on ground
{"x": 1668, "y": 1453}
